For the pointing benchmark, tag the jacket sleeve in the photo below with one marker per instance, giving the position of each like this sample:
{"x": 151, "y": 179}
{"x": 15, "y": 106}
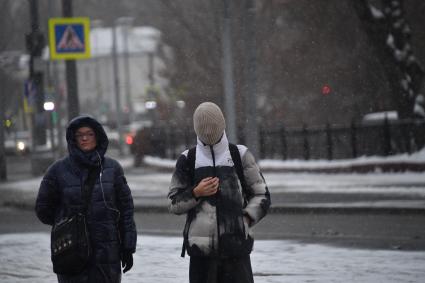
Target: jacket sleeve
{"x": 48, "y": 197}
{"x": 180, "y": 197}
{"x": 258, "y": 195}
{"x": 127, "y": 226}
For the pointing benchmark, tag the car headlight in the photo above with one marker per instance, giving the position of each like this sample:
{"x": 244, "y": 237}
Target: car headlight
{"x": 20, "y": 146}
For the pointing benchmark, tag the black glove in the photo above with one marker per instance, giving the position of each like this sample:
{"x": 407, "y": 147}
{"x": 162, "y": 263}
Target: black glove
{"x": 127, "y": 261}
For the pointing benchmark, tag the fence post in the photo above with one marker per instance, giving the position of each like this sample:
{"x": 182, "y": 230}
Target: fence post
{"x": 387, "y": 137}
{"x": 353, "y": 131}
{"x": 262, "y": 146}
{"x": 154, "y": 139}
{"x": 407, "y": 135}
{"x": 329, "y": 141}
{"x": 164, "y": 142}
{"x": 283, "y": 143}
{"x": 306, "y": 143}
{"x": 173, "y": 142}
{"x": 186, "y": 136}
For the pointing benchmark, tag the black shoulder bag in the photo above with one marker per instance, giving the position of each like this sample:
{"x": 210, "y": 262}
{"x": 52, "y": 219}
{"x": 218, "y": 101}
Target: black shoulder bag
{"x": 70, "y": 243}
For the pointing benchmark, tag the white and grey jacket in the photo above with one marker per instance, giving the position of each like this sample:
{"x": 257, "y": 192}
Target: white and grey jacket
{"x": 216, "y": 225}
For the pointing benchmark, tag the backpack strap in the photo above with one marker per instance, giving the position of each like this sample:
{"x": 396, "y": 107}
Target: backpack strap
{"x": 190, "y": 163}
{"x": 191, "y": 155}
{"x": 236, "y": 157}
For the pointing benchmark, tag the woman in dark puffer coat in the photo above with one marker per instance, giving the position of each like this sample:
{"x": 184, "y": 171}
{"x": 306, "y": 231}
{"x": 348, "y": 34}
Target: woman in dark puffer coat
{"x": 110, "y": 214}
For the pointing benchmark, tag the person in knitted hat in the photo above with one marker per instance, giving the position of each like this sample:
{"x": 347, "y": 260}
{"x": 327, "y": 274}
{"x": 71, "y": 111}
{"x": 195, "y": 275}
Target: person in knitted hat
{"x": 209, "y": 123}
{"x": 219, "y": 187}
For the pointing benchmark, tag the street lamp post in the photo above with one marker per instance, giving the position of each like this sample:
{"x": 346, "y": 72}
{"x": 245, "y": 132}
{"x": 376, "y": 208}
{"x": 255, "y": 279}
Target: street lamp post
{"x": 117, "y": 89}
{"x": 3, "y": 165}
{"x": 71, "y": 72}
{"x": 151, "y": 103}
{"x": 151, "y": 71}
{"x": 49, "y": 107}
{"x": 95, "y": 53}
{"x": 227, "y": 65}
{"x": 58, "y": 97}
{"x": 35, "y": 44}
{"x": 126, "y": 24}
{"x": 251, "y": 129}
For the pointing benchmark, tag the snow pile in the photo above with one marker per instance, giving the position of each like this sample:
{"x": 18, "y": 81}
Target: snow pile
{"x": 417, "y": 158}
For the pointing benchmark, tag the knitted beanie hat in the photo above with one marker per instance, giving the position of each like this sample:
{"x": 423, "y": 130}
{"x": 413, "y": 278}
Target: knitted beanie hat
{"x": 209, "y": 123}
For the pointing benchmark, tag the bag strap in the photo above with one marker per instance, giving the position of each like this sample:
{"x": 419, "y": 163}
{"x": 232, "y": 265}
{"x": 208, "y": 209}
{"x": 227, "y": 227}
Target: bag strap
{"x": 190, "y": 166}
{"x": 191, "y": 155}
{"x": 88, "y": 189}
{"x": 236, "y": 157}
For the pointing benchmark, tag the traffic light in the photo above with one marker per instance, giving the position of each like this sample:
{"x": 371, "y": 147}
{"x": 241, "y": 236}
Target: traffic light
{"x": 326, "y": 90}
{"x": 35, "y": 43}
{"x": 8, "y": 123}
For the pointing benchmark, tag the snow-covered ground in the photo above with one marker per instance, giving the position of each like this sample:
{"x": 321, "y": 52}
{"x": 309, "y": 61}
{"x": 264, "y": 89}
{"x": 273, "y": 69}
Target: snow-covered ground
{"x": 26, "y": 258}
{"x": 156, "y": 184}
{"x": 410, "y": 183}
{"x": 415, "y": 158}
{"x": 401, "y": 190}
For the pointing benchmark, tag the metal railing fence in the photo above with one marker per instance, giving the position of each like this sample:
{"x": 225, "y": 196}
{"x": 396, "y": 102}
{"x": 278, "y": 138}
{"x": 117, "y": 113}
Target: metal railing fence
{"x": 330, "y": 142}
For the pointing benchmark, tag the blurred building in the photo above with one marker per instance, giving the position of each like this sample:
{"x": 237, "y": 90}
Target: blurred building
{"x": 140, "y": 54}
{"x": 96, "y": 75}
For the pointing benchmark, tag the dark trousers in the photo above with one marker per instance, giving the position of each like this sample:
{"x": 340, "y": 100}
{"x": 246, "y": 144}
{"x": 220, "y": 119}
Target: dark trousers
{"x": 214, "y": 270}
{"x": 98, "y": 273}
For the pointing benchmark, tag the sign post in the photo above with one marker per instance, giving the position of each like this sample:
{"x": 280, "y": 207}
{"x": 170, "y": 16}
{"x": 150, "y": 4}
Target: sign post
{"x": 69, "y": 40}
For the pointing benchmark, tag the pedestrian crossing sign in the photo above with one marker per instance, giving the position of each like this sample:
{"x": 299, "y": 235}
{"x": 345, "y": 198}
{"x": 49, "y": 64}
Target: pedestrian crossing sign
{"x": 69, "y": 38}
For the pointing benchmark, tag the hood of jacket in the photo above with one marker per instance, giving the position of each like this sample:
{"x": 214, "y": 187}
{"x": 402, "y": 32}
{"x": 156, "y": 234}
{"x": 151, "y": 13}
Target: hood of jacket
{"x": 92, "y": 158}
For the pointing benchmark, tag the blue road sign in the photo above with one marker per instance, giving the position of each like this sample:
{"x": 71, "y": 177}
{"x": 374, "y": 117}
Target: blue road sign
{"x": 69, "y": 38}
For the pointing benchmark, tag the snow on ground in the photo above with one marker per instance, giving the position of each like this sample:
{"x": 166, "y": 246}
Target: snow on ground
{"x": 410, "y": 183}
{"x": 416, "y": 157}
{"x": 406, "y": 185}
{"x": 26, "y": 258}
{"x": 374, "y": 183}
{"x": 356, "y": 182}
{"x": 156, "y": 184}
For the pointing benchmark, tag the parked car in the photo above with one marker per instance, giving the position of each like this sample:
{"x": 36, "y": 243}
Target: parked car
{"x": 18, "y": 143}
{"x": 140, "y": 143}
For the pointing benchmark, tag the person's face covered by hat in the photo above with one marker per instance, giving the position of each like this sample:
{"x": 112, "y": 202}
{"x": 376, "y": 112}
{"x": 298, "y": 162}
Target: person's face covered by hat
{"x": 209, "y": 123}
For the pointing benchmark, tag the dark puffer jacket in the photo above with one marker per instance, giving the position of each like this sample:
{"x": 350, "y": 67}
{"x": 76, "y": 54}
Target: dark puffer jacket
{"x": 110, "y": 214}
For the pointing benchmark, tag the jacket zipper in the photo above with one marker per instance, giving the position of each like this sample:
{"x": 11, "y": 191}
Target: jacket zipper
{"x": 217, "y": 198}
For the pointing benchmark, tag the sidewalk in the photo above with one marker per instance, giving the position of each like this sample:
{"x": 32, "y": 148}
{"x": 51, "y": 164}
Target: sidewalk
{"x": 312, "y": 192}
{"x": 26, "y": 258}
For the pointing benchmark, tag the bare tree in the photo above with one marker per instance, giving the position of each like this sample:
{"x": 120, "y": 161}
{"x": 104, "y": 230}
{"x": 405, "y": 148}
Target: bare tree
{"x": 192, "y": 31}
{"x": 390, "y": 35}
{"x": 302, "y": 45}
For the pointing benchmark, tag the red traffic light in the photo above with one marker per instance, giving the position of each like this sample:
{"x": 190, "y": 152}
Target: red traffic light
{"x": 326, "y": 89}
{"x": 129, "y": 139}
